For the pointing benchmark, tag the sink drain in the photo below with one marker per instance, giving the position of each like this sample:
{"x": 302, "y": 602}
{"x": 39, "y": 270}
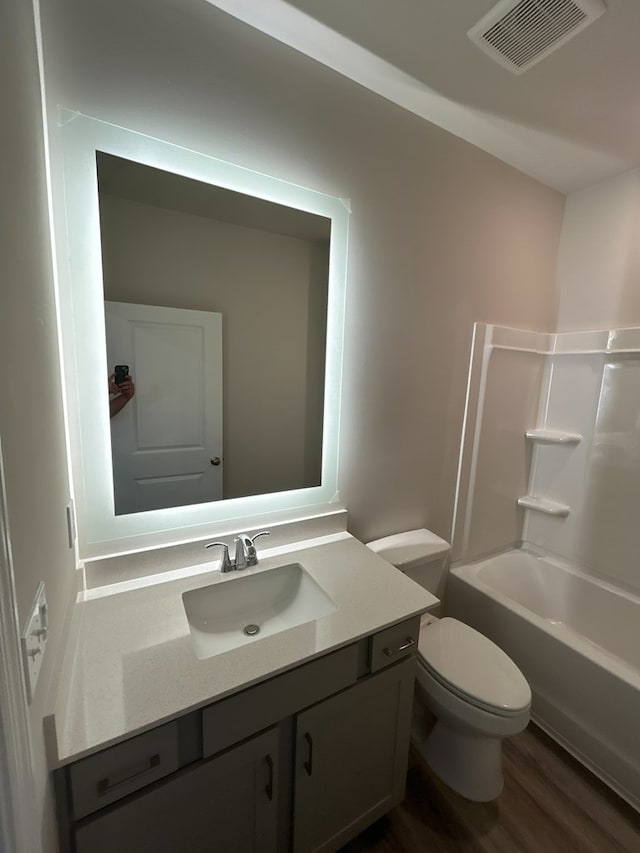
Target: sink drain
{"x": 251, "y": 630}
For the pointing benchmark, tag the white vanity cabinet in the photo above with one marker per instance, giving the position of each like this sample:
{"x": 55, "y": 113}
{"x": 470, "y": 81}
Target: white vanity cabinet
{"x": 301, "y": 762}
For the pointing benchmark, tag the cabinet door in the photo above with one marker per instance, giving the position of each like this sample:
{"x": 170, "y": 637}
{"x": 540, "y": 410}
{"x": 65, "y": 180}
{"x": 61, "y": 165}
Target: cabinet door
{"x": 226, "y": 805}
{"x": 351, "y": 759}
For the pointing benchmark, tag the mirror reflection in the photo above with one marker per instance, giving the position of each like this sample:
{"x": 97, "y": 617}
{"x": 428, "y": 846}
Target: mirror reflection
{"x": 215, "y": 320}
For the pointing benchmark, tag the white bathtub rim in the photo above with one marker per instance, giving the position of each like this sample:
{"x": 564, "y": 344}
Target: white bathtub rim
{"x": 468, "y": 573}
{"x": 571, "y": 568}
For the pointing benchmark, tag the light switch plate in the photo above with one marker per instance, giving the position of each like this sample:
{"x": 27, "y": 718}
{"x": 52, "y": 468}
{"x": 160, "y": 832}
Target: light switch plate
{"x": 34, "y": 640}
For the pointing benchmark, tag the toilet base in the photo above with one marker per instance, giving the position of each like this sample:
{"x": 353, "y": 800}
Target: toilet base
{"x": 469, "y": 763}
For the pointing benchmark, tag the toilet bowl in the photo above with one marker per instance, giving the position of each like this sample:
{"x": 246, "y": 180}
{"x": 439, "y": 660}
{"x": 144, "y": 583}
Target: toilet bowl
{"x": 478, "y": 697}
{"x": 476, "y": 693}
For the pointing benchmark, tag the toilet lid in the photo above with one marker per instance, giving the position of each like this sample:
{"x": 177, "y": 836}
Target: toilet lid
{"x": 469, "y": 664}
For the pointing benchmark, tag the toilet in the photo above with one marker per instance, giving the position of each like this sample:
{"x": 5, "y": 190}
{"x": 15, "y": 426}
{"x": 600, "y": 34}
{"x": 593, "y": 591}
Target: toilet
{"x": 474, "y": 690}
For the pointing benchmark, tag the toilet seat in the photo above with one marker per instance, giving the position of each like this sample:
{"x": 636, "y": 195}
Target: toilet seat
{"x": 472, "y": 667}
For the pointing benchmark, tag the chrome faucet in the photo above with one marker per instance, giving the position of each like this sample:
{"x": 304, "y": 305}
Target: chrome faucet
{"x": 245, "y": 553}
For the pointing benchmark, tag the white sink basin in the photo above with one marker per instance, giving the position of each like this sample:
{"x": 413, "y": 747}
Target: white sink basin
{"x": 270, "y": 601}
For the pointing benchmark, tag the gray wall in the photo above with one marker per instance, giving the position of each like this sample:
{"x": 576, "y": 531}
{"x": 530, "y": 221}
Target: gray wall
{"x": 599, "y": 258}
{"x": 441, "y": 233}
{"x": 31, "y": 423}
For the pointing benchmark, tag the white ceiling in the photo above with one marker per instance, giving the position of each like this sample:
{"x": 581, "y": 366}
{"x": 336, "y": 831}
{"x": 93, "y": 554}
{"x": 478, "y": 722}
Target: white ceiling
{"x": 571, "y": 120}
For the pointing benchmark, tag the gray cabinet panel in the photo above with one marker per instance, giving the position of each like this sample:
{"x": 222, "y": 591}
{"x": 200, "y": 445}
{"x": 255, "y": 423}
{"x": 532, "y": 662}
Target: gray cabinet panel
{"x": 394, "y": 643}
{"x": 230, "y": 720}
{"x": 227, "y": 805}
{"x": 351, "y": 759}
{"x": 113, "y": 773}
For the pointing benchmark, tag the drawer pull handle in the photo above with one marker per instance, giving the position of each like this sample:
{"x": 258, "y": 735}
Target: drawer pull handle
{"x": 403, "y": 648}
{"x": 106, "y": 785}
{"x": 308, "y": 764}
{"x": 269, "y": 786}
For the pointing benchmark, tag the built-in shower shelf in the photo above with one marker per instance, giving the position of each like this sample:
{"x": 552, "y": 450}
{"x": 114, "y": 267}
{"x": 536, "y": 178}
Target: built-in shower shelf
{"x": 554, "y": 436}
{"x": 544, "y": 505}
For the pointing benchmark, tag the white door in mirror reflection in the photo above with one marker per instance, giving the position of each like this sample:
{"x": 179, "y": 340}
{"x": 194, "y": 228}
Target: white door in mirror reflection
{"x": 166, "y": 441}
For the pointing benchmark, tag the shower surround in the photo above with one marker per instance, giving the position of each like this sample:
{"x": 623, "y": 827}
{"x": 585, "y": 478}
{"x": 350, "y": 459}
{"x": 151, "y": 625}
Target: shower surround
{"x": 550, "y": 465}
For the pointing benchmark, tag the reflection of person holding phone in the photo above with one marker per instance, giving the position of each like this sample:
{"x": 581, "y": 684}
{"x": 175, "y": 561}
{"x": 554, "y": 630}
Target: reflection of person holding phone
{"x": 121, "y": 389}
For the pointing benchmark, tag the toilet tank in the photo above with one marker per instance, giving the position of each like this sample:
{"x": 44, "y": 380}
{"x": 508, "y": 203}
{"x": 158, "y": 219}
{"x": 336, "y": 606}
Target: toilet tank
{"x": 419, "y": 554}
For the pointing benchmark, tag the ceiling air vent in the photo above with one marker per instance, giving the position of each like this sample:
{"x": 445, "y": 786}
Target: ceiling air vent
{"x": 519, "y": 33}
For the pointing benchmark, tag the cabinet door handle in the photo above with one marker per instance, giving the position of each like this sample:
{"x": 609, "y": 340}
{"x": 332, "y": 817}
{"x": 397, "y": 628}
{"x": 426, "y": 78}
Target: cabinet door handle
{"x": 105, "y": 785}
{"x": 269, "y": 786}
{"x": 308, "y": 764}
{"x": 406, "y": 645}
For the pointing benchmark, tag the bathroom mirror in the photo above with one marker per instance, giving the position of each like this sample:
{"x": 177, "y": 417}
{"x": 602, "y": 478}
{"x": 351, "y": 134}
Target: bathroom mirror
{"x": 151, "y": 180}
{"x": 216, "y": 304}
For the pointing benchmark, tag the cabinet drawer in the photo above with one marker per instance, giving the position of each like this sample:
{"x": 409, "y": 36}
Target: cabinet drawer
{"x": 239, "y": 716}
{"x": 394, "y": 643}
{"x": 109, "y": 775}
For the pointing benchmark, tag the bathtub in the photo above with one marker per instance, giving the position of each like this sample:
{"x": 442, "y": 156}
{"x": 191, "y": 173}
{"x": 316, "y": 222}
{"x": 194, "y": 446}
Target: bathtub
{"x": 577, "y": 640}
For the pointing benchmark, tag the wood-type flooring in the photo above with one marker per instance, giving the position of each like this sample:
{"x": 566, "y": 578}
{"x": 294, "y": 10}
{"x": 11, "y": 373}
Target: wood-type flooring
{"x": 550, "y": 804}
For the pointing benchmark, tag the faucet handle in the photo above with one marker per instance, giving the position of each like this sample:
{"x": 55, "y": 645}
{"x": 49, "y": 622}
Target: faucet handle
{"x": 252, "y": 554}
{"x": 226, "y": 564}
{"x": 262, "y": 533}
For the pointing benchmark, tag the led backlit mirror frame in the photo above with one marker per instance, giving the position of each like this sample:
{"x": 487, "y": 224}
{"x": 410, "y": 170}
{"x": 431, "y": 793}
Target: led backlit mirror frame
{"x": 100, "y": 531}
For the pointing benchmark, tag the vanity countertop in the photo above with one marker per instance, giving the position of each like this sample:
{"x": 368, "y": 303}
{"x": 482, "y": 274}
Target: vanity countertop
{"x": 131, "y": 665}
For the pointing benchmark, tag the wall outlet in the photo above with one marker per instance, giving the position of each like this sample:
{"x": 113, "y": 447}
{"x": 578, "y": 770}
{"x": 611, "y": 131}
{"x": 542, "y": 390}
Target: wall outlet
{"x": 34, "y": 640}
